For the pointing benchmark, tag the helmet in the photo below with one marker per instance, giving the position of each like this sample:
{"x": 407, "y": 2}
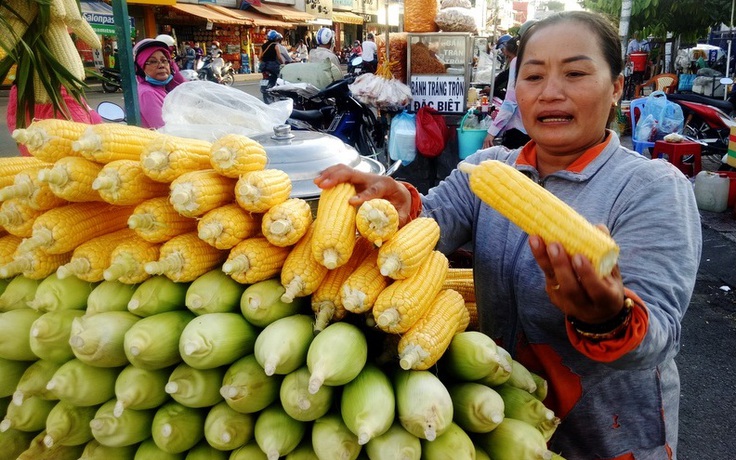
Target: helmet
{"x": 272, "y": 35}
{"x": 139, "y": 51}
{"x": 216, "y": 44}
{"x": 168, "y": 39}
{"x": 324, "y": 36}
{"x": 502, "y": 40}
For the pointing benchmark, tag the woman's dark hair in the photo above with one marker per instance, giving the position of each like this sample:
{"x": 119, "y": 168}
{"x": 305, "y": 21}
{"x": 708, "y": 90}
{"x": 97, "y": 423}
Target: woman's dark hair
{"x": 512, "y": 46}
{"x": 600, "y": 26}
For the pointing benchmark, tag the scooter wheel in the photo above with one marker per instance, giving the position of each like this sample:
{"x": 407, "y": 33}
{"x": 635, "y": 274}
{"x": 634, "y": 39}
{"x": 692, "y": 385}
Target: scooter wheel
{"x": 108, "y": 88}
{"x": 228, "y": 80}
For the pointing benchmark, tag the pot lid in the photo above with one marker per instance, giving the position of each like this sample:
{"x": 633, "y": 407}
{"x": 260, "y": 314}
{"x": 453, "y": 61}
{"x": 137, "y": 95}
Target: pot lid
{"x": 303, "y": 154}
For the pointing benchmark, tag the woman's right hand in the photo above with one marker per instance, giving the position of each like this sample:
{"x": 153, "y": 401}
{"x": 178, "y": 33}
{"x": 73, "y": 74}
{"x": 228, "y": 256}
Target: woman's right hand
{"x": 488, "y": 141}
{"x": 367, "y": 187}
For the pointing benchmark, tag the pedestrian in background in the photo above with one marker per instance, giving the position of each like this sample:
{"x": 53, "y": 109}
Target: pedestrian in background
{"x": 370, "y": 54}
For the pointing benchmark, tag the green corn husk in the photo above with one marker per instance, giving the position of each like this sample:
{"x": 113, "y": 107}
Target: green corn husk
{"x": 476, "y": 407}
{"x": 261, "y": 303}
{"x": 472, "y": 355}
{"x": 195, "y": 387}
{"x": 177, "y": 428}
{"x": 29, "y": 416}
{"x": 203, "y": 451}
{"x": 18, "y": 293}
{"x": 132, "y": 427}
{"x": 246, "y": 388}
{"x": 4, "y": 284}
{"x": 304, "y": 451}
{"x": 394, "y": 444}
{"x": 15, "y": 331}
{"x": 500, "y": 374}
{"x": 524, "y": 406}
{"x": 250, "y": 451}
{"x": 281, "y": 347}
{"x": 332, "y": 440}
{"x": 98, "y": 339}
{"x": 481, "y": 454}
{"x": 93, "y": 450}
{"x": 110, "y": 296}
{"x": 49, "y": 337}
{"x": 336, "y": 355}
{"x": 38, "y": 451}
{"x": 227, "y": 429}
{"x": 83, "y": 385}
{"x": 214, "y": 292}
{"x": 158, "y": 294}
{"x": 68, "y": 424}
{"x": 521, "y": 378}
{"x": 368, "y": 404}
{"x": 216, "y": 339}
{"x": 148, "y": 450}
{"x": 153, "y": 342}
{"x": 34, "y": 380}
{"x": 542, "y": 387}
{"x": 276, "y": 433}
{"x": 453, "y": 443}
{"x": 424, "y": 405}
{"x": 298, "y": 402}
{"x": 54, "y": 294}
{"x": 516, "y": 440}
{"x": 4, "y": 403}
{"x": 12, "y": 372}
{"x": 140, "y": 389}
{"x": 14, "y": 442}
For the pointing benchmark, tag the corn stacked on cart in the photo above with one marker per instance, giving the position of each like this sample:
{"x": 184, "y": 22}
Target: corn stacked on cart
{"x": 166, "y": 298}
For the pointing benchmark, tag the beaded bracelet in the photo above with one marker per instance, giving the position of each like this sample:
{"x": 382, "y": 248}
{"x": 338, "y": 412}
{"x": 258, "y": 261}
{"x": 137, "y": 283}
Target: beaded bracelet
{"x": 610, "y": 329}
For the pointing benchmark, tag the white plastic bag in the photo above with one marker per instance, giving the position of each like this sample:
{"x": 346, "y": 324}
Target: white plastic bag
{"x": 402, "y": 138}
{"x": 207, "y": 110}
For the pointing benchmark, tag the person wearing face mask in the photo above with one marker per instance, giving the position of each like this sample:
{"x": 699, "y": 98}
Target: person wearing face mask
{"x": 157, "y": 74}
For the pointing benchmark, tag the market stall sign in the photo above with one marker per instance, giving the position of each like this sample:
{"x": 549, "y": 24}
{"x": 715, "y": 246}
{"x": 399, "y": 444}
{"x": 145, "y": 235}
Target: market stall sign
{"x": 99, "y": 15}
{"x": 445, "y": 93}
{"x": 451, "y": 50}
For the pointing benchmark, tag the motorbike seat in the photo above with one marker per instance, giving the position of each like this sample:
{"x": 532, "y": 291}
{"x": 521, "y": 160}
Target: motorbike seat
{"x": 724, "y": 106}
{"x": 310, "y": 116}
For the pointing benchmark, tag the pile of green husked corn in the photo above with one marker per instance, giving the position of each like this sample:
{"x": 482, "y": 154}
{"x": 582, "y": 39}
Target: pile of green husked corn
{"x": 215, "y": 369}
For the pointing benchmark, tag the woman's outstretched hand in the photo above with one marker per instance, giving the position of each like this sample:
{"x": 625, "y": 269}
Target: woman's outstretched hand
{"x": 367, "y": 187}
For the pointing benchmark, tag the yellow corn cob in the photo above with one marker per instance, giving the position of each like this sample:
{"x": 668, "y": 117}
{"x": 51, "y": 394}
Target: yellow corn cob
{"x": 259, "y": 191}
{"x": 62, "y": 229}
{"x": 156, "y": 221}
{"x": 8, "y": 246}
{"x": 122, "y": 182}
{"x": 360, "y": 291}
{"x": 301, "y": 274}
{"x": 185, "y": 258}
{"x": 168, "y": 157}
{"x": 233, "y": 155}
{"x": 377, "y": 220}
{"x": 334, "y": 226}
{"x": 18, "y": 16}
{"x": 50, "y": 139}
{"x": 57, "y": 9}
{"x": 79, "y": 25}
{"x": 461, "y": 280}
{"x": 90, "y": 259}
{"x": 285, "y": 223}
{"x": 538, "y": 212}
{"x": 405, "y": 252}
{"x": 401, "y": 304}
{"x": 254, "y": 260}
{"x": 62, "y": 47}
{"x": 326, "y": 300}
{"x": 17, "y": 217}
{"x": 474, "y": 323}
{"x": 10, "y": 166}
{"x": 426, "y": 341}
{"x": 228, "y": 225}
{"x": 31, "y": 191}
{"x": 35, "y": 264}
{"x": 196, "y": 192}
{"x": 108, "y": 142}
{"x": 71, "y": 178}
{"x": 40, "y": 93}
{"x": 128, "y": 260}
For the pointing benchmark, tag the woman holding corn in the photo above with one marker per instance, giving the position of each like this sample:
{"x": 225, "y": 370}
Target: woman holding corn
{"x": 157, "y": 74}
{"x": 605, "y": 342}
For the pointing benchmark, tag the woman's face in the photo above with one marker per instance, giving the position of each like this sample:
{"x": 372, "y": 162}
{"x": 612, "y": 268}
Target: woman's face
{"x": 157, "y": 66}
{"x": 564, "y": 88}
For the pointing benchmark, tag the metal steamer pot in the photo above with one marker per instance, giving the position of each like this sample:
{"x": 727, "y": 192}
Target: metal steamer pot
{"x": 303, "y": 154}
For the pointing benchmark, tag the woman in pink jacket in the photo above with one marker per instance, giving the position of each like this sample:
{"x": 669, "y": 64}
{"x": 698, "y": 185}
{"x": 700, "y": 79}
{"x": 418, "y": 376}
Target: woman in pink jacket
{"x": 157, "y": 74}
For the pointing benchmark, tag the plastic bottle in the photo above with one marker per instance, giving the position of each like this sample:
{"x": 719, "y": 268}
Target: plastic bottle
{"x": 711, "y": 191}
{"x": 472, "y": 96}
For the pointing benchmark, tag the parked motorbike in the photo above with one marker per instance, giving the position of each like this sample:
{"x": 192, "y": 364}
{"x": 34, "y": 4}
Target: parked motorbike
{"x": 227, "y": 74}
{"x": 111, "y": 80}
{"x": 355, "y": 64}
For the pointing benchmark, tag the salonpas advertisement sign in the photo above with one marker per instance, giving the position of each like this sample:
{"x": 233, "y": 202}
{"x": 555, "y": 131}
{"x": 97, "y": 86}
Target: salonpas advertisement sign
{"x": 99, "y": 15}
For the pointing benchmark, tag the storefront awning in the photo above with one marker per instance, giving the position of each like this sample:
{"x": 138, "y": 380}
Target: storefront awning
{"x": 256, "y": 19}
{"x": 346, "y": 17}
{"x": 208, "y": 14}
{"x": 99, "y": 15}
{"x": 284, "y": 12}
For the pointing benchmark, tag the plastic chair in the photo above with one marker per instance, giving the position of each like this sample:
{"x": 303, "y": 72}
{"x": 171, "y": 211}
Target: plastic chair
{"x": 638, "y": 105}
{"x": 666, "y": 82}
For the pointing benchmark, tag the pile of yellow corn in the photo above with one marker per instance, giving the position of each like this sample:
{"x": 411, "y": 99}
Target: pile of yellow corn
{"x": 164, "y": 297}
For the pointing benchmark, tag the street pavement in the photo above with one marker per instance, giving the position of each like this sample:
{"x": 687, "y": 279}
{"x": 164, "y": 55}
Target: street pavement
{"x": 707, "y": 360}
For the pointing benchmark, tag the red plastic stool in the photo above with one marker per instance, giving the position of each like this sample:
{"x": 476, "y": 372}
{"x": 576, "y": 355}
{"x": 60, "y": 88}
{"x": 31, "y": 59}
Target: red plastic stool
{"x": 675, "y": 153}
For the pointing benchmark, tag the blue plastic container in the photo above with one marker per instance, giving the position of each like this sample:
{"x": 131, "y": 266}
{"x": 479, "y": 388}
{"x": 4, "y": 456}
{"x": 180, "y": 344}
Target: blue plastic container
{"x": 469, "y": 141}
